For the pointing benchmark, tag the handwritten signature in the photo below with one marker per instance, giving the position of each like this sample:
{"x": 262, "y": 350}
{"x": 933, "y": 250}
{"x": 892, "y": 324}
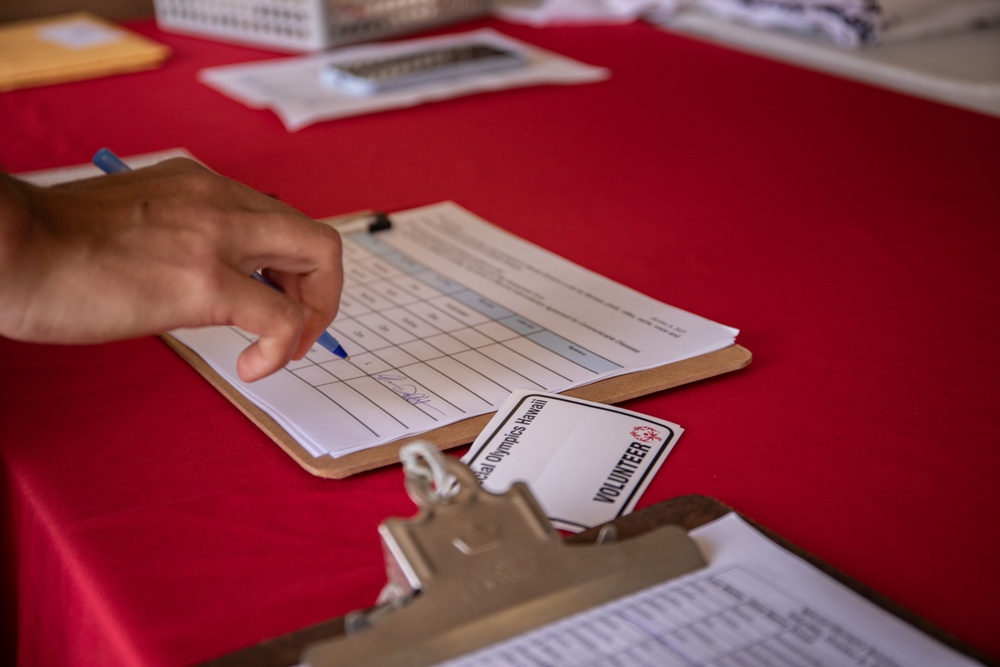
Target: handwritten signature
{"x": 409, "y": 392}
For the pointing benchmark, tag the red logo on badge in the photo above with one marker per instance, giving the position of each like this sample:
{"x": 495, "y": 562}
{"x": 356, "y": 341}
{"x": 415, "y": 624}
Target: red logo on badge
{"x": 645, "y": 434}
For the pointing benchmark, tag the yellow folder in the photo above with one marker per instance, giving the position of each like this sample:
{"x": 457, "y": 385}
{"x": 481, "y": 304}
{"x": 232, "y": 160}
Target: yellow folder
{"x": 69, "y": 47}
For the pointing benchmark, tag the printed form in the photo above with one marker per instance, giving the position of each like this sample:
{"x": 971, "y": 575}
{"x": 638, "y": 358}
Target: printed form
{"x": 754, "y": 605}
{"x": 443, "y": 316}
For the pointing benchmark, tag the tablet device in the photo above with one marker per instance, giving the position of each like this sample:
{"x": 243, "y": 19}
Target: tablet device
{"x": 366, "y": 76}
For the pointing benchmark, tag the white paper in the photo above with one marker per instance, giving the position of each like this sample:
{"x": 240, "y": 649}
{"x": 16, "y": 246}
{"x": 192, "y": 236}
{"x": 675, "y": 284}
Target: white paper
{"x": 755, "y": 604}
{"x": 586, "y": 463}
{"x": 294, "y": 88}
{"x": 444, "y": 316}
{"x": 46, "y": 177}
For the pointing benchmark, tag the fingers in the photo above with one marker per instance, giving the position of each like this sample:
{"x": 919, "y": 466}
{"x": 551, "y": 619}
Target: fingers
{"x": 276, "y": 320}
{"x": 284, "y": 240}
{"x": 305, "y": 259}
{"x": 288, "y": 322}
{"x": 301, "y": 255}
{"x": 318, "y": 291}
{"x": 251, "y": 231}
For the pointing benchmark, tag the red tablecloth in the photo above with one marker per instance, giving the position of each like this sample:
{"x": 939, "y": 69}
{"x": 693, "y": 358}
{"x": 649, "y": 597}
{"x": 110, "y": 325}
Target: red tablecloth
{"x": 852, "y": 233}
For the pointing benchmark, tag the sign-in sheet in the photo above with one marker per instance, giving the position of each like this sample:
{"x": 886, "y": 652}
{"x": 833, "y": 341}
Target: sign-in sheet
{"x": 755, "y": 605}
{"x": 443, "y": 316}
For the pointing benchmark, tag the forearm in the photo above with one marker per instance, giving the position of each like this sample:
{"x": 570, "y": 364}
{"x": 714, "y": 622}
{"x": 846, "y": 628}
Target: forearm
{"x": 53, "y": 269}
{"x": 17, "y": 225}
{"x": 14, "y": 213}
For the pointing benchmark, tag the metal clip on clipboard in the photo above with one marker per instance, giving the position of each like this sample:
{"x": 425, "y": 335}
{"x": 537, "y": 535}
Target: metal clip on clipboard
{"x": 473, "y": 568}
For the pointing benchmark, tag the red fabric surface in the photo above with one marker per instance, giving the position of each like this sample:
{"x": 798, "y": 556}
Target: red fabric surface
{"x": 850, "y": 232}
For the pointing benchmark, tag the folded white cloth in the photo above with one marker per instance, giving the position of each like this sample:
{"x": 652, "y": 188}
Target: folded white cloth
{"x": 905, "y": 19}
{"x": 853, "y": 23}
{"x": 848, "y": 23}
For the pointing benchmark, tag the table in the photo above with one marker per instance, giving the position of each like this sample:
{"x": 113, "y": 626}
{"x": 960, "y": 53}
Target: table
{"x": 850, "y": 232}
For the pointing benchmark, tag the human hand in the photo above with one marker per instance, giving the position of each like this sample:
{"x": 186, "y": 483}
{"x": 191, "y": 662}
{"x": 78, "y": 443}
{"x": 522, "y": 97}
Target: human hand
{"x": 167, "y": 246}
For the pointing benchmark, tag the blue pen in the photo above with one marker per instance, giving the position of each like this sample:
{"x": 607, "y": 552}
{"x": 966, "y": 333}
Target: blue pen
{"x": 325, "y": 339}
{"x": 110, "y": 163}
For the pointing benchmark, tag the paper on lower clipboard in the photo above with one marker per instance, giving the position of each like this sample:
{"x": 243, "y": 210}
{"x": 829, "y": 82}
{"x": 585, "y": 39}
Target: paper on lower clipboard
{"x": 754, "y": 604}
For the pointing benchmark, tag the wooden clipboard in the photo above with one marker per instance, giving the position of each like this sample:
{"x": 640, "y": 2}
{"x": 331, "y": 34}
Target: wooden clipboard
{"x": 687, "y": 512}
{"x": 612, "y": 390}
{"x": 609, "y": 391}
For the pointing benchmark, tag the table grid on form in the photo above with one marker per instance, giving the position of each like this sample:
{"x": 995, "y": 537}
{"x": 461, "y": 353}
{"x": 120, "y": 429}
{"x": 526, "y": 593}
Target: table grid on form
{"x": 416, "y": 337}
{"x": 444, "y": 315}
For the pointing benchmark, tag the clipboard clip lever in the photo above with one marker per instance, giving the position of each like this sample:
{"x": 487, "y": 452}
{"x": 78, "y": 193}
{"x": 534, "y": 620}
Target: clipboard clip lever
{"x": 429, "y": 482}
{"x": 473, "y": 568}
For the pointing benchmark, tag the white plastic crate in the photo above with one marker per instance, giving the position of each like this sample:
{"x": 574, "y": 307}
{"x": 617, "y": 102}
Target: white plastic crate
{"x": 309, "y": 25}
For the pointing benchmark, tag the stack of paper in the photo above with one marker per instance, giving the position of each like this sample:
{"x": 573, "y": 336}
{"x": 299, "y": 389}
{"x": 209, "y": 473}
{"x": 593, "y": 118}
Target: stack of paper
{"x": 71, "y": 47}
